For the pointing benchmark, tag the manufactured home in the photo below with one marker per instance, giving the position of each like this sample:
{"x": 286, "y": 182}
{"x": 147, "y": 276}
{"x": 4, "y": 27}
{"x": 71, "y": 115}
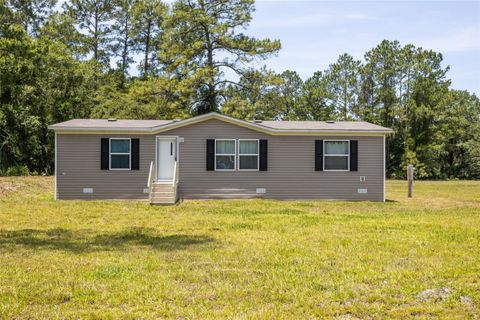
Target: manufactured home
{"x": 216, "y": 156}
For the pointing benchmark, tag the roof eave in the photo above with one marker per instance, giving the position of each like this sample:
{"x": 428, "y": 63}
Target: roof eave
{"x": 253, "y": 126}
{"x": 99, "y": 129}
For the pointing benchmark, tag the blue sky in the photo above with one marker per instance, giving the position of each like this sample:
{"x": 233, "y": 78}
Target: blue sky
{"x": 314, "y": 33}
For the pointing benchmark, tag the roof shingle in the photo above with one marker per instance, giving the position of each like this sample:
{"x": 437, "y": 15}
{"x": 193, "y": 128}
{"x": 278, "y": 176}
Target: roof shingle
{"x": 273, "y": 127}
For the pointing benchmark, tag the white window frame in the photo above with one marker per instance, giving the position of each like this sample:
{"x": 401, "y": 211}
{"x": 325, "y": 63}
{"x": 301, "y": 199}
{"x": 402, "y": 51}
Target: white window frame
{"x": 110, "y": 153}
{"x": 227, "y": 154}
{"x": 337, "y": 155}
{"x": 249, "y": 154}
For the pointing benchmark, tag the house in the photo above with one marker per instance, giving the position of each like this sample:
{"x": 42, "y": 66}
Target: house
{"x": 216, "y": 156}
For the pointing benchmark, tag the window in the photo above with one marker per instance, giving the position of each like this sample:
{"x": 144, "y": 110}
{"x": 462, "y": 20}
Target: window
{"x": 248, "y": 155}
{"x": 336, "y": 155}
{"x": 120, "y": 154}
{"x": 225, "y": 155}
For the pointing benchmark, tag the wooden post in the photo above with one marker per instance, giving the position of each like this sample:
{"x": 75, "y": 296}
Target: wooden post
{"x": 410, "y": 180}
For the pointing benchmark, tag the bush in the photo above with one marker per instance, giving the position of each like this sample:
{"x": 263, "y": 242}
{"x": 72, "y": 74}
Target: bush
{"x": 18, "y": 170}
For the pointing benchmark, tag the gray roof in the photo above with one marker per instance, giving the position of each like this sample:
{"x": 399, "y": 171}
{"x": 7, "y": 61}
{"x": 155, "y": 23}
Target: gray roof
{"x": 104, "y": 123}
{"x": 273, "y": 127}
{"x": 322, "y": 125}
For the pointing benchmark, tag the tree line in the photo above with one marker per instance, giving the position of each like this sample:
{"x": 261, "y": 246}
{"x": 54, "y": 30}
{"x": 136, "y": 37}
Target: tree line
{"x": 145, "y": 59}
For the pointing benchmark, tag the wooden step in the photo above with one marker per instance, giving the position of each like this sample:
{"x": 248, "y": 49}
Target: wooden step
{"x": 162, "y": 189}
{"x": 159, "y": 196}
{"x": 162, "y": 202}
{"x": 162, "y": 193}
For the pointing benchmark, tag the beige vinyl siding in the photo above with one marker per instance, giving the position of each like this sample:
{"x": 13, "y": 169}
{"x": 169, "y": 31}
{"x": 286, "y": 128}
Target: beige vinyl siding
{"x": 290, "y": 174}
{"x": 78, "y": 167}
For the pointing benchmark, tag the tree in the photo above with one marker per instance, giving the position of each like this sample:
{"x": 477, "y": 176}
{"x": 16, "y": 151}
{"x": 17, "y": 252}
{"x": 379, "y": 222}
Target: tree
{"x": 60, "y": 27}
{"x": 343, "y": 86}
{"x": 403, "y": 88}
{"x": 155, "y": 98}
{"x": 32, "y": 13}
{"x": 202, "y": 42}
{"x": 249, "y": 98}
{"x": 122, "y": 42}
{"x": 147, "y": 19}
{"x": 94, "y": 18}
{"x": 315, "y": 103}
{"x": 41, "y": 82}
{"x": 286, "y": 97}
{"x": 459, "y": 129}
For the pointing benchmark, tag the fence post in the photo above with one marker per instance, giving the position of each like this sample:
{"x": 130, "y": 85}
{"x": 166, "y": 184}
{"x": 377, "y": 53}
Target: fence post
{"x": 410, "y": 180}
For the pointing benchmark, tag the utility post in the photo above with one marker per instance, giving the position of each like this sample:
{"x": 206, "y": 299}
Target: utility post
{"x": 410, "y": 180}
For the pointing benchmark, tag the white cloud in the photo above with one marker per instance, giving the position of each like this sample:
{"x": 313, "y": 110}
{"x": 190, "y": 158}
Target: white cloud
{"x": 466, "y": 39}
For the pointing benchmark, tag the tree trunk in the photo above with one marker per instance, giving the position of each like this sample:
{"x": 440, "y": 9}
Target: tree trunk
{"x": 95, "y": 38}
{"x": 147, "y": 49}
{"x": 212, "y": 94}
{"x": 124, "y": 54}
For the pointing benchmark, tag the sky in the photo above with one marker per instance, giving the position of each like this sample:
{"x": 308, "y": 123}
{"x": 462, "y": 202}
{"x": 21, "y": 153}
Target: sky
{"x": 314, "y": 33}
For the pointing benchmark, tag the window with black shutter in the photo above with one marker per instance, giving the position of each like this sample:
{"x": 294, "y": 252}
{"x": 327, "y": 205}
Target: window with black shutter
{"x": 120, "y": 153}
{"x": 336, "y": 155}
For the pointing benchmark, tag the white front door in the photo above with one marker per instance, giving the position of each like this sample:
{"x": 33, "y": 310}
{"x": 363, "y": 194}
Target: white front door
{"x": 166, "y": 157}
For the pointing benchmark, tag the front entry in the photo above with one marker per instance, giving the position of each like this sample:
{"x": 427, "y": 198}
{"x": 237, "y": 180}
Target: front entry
{"x": 166, "y": 158}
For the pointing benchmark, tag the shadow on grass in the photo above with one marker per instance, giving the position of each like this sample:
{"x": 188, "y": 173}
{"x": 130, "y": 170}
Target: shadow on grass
{"x": 80, "y": 241}
{"x": 391, "y": 200}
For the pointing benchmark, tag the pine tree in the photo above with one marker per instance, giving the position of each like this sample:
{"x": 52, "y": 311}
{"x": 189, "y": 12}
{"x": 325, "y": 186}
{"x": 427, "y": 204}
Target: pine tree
{"x": 94, "y": 18}
{"x": 202, "y": 43}
{"x": 122, "y": 42}
{"x": 147, "y": 19}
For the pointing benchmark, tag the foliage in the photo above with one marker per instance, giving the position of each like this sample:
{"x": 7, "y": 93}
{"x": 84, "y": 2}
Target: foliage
{"x": 157, "y": 98}
{"x": 93, "y": 17}
{"x": 40, "y": 83}
{"x": 17, "y": 170}
{"x": 202, "y": 42}
{"x": 147, "y": 19}
{"x": 255, "y": 258}
{"x": 343, "y": 86}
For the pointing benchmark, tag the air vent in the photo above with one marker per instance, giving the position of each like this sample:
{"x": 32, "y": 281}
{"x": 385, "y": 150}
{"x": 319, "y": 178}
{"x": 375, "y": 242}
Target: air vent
{"x": 330, "y": 121}
{"x": 260, "y": 190}
{"x": 112, "y": 119}
{"x": 87, "y": 190}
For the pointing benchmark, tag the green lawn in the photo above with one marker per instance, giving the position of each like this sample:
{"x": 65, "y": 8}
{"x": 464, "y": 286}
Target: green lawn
{"x": 240, "y": 259}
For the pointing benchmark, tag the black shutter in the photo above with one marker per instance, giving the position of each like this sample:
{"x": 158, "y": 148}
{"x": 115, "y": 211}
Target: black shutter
{"x": 353, "y": 155}
{"x": 263, "y": 155}
{"x": 104, "y": 154}
{"x": 210, "y": 154}
{"x": 135, "y": 154}
{"x": 318, "y": 155}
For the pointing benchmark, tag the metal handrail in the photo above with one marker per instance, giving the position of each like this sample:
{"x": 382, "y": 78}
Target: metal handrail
{"x": 175, "y": 180}
{"x": 150, "y": 174}
{"x": 174, "y": 174}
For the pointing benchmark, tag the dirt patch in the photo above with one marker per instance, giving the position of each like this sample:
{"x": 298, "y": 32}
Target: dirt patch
{"x": 435, "y": 294}
{"x": 7, "y": 187}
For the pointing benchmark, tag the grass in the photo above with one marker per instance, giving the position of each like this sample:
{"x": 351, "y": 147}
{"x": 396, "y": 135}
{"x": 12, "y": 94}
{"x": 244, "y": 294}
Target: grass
{"x": 245, "y": 259}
